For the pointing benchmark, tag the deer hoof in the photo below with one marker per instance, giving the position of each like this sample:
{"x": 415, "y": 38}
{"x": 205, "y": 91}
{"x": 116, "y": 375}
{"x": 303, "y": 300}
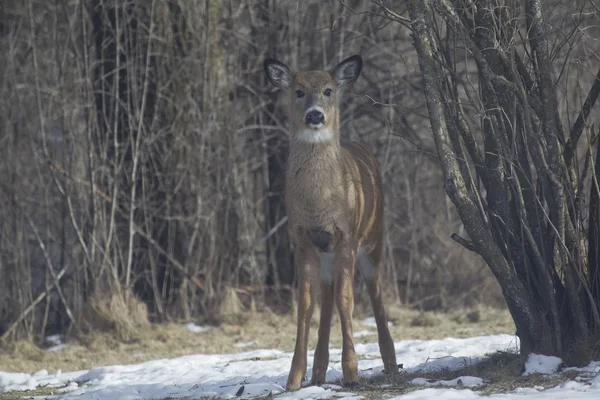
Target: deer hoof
{"x": 351, "y": 385}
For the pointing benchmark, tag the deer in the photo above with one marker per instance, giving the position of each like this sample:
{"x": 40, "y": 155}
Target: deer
{"x": 335, "y": 206}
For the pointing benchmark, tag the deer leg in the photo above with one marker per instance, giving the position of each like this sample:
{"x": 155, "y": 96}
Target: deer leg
{"x": 344, "y": 260}
{"x": 368, "y": 262}
{"x": 386, "y": 344}
{"x": 307, "y": 265}
{"x": 321, "y": 361}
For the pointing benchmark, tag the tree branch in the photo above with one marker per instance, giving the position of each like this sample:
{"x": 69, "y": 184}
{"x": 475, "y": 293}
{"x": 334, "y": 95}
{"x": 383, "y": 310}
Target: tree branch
{"x": 467, "y": 244}
{"x": 579, "y": 124}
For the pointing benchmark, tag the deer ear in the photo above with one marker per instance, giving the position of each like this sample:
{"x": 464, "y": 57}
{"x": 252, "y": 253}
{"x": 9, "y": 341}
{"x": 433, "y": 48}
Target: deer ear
{"x": 278, "y": 73}
{"x": 347, "y": 71}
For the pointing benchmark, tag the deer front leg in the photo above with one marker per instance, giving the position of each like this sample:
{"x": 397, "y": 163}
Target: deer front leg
{"x": 344, "y": 261}
{"x": 321, "y": 360}
{"x": 307, "y": 264}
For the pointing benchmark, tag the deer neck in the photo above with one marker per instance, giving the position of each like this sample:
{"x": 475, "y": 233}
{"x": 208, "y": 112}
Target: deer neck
{"x": 315, "y": 150}
{"x": 313, "y": 169}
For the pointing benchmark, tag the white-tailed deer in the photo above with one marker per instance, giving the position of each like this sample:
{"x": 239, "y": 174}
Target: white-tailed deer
{"x": 335, "y": 213}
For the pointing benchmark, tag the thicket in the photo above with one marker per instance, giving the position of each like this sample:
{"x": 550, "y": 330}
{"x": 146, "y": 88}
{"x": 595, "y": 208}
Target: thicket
{"x": 516, "y": 179}
{"x": 142, "y": 155}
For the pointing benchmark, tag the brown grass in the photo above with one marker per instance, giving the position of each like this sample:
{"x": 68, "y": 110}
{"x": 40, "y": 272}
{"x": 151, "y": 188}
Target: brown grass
{"x": 260, "y": 329}
{"x": 121, "y": 313}
{"x": 501, "y": 371}
{"x": 40, "y": 392}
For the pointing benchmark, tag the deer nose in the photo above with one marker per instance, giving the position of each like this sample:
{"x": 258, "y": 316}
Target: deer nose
{"x": 314, "y": 117}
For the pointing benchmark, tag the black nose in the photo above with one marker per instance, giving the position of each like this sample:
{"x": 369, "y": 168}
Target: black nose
{"x": 315, "y": 117}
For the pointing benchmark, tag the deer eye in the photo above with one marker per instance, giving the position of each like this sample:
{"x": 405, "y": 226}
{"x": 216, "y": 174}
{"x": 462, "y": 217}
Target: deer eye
{"x": 299, "y": 93}
{"x": 327, "y": 92}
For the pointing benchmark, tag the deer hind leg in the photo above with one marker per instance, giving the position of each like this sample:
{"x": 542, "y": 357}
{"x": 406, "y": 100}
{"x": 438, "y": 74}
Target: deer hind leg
{"x": 307, "y": 264}
{"x": 368, "y": 262}
{"x": 344, "y": 260}
{"x": 321, "y": 361}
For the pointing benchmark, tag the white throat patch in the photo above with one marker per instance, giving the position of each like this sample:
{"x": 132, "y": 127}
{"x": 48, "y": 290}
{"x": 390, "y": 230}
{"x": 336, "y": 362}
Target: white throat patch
{"x": 315, "y": 135}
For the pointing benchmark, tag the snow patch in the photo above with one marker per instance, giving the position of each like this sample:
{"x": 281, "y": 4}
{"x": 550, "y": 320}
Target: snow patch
{"x": 540, "y": 364}
{"x": 370, "y": 322}
{"x": 316, "y": 392}
{"x": 469, "y": 381}
{"x": 55, "y": 343}
{"x": 40, "y": 373}
{"x": 442, "y": 394}
{"x": 192, "y": 327}
{"x": 58, "y": 347}
{"x": 17, "y": 381}
{"x": 53, "y": 339}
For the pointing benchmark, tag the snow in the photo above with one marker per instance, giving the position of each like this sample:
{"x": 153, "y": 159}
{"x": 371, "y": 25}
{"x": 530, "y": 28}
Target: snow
{"x": 570, "y": 390}
{"x": 315, "y": 392}
{"x": 56, "y": 343}
{"x": 445, "y": 394}
{"x": 192, "y": 327}
{"x": 263, "y": 372}
{"x": 540, "y": 364}
{"x": 460, "y": 381}
{"x": 58, "y": 347}
{"x": 370, "y": 322}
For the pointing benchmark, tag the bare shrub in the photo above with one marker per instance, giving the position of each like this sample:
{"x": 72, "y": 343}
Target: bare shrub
{"x": 510, "y": 88}
{"x": 142, "y": 157}
{"x": 123, "y": 314}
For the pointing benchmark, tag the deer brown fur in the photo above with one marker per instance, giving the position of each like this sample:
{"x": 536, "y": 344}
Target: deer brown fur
{"x": 334, "y": 201}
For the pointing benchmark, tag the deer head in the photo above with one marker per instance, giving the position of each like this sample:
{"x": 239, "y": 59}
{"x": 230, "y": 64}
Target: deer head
{"x": 314, "y": 97}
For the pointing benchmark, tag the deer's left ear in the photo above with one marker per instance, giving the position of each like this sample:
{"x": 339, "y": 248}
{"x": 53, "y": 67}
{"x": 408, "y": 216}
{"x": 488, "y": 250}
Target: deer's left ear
{"x": 347, "y": 71}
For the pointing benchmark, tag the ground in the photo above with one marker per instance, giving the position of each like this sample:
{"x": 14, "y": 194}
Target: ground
{"x": 250, "y": 331}
{"x": 460, "y": 355}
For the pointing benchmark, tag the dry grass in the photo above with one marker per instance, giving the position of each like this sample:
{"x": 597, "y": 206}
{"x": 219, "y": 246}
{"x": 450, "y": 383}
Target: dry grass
{"x": 260, "y": 329}
{"x": 122, "y": 313}
{"x": 40, "y": 392}
{"x": 501, "y": 371}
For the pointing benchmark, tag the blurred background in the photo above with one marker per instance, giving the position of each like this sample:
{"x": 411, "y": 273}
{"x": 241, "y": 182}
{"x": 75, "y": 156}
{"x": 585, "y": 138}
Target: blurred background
{"x": 142, "y": 156}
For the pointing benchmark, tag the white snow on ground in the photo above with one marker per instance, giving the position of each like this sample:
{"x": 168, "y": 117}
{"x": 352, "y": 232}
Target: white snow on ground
{"x": 460, "y": 381}
{"x": 584, "y": 387}
{"x": 570, "y": 390}
{"x": 56, "y": 343}
{"x": 192, "y": 327}
{"x": 54, "y": 339}
{"x": 315, "y": 392}
{"x": 260, "y": 372}
{"x": 370, "y": 322}
{"x": 58, "y": 347}
{"x": 540, "y": 364}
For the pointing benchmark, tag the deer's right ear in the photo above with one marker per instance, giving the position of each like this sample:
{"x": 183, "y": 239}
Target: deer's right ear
{"x": 278, "y": 73}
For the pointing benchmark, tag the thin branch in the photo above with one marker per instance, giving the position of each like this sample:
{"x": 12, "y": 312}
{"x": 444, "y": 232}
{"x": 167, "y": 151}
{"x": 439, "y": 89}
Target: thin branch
{"x": 579, "y": 124}
{"x": 34, "y": 303}
{"x": 467, "y": 244}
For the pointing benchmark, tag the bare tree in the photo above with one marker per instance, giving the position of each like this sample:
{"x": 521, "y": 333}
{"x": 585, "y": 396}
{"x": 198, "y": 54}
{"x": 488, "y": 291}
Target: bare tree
{"x": 142, "y": 155}
{"x": 497, "y": 84}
